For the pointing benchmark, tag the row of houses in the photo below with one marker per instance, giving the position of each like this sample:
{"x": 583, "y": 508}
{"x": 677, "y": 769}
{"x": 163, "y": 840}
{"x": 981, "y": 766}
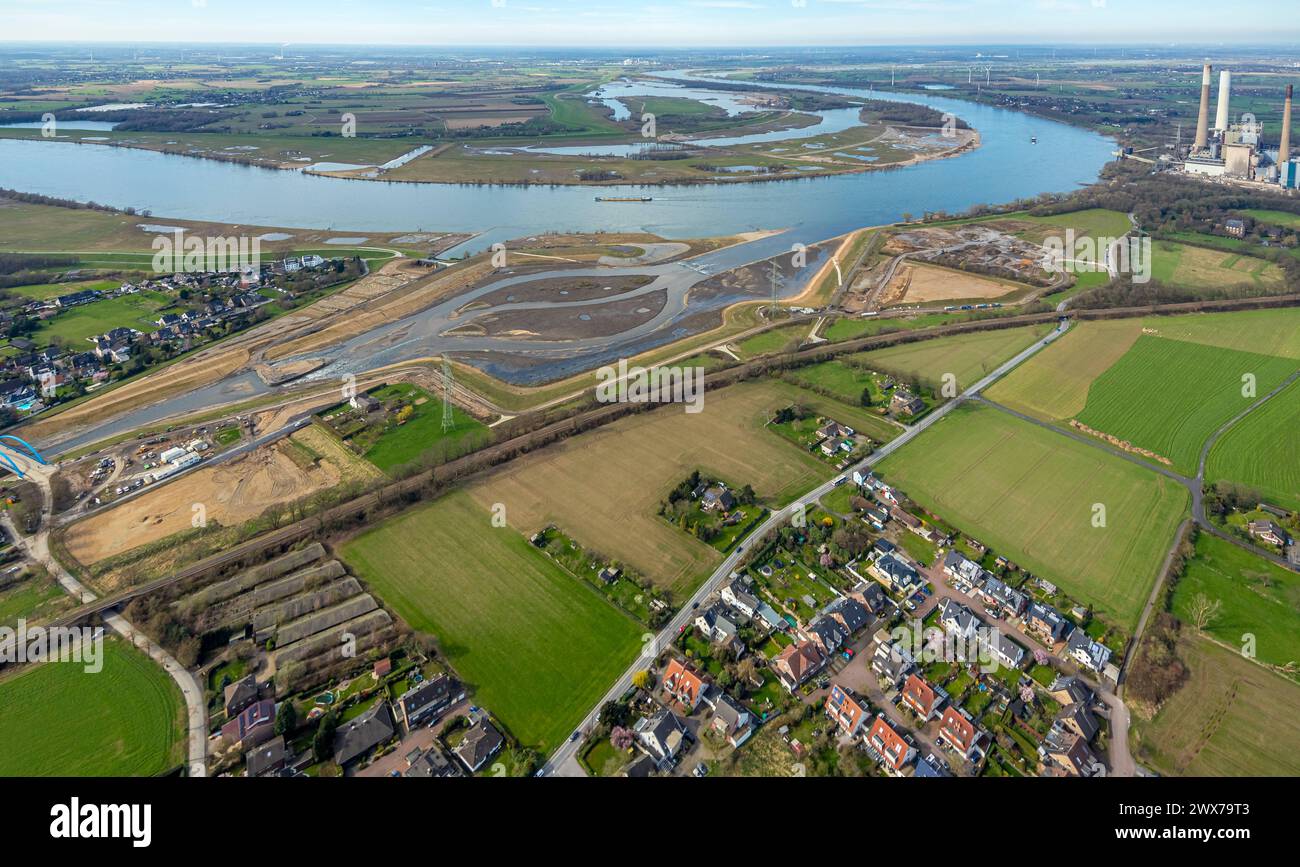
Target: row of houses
{"x": 1039, "y": 619}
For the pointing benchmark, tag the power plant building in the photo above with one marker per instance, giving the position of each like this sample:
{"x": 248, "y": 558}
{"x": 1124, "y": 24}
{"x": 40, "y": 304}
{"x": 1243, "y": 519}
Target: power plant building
{"x": 1235, "y": 151}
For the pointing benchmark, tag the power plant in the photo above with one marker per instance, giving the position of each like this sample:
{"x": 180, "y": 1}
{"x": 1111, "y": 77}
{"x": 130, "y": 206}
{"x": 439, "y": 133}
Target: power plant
{"x": 1235, "y": 151}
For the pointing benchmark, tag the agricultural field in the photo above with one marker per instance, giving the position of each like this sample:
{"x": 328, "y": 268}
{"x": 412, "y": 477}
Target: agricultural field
{"x": 74, "y": 326}
{"x": 1170, "y": 396}
{"x": 59, "y": 720}
{"x": 1231, "y": 718}
{"x": 537, "y": 645}
{"x": 1257, "y": 597}
{"x": 1268, "y": 332}
{"x": 1200, "y": 268}
{"x": 968, "y": 357}
{"x": 1053, "y": 385}
{"x": 1030, "y": 494}
{"x": 604, "y": 487}
{"x": 1263, "y": 450}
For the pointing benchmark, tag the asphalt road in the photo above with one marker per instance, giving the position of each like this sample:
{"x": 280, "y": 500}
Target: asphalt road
{"x": 564, "y": 761}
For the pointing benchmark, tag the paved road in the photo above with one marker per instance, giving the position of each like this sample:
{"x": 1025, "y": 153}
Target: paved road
{"x": 564, "y": 760}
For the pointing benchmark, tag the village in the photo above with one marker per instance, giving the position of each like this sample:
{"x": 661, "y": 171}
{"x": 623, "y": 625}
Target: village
{"x": 190, "y": 310}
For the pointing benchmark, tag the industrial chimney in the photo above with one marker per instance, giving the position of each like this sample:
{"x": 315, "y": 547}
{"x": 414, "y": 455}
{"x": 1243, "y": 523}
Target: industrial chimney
{"x": 1203, "y": 120}
{"x": 1225, "y": 92}
{"x": 1284, "y": 152}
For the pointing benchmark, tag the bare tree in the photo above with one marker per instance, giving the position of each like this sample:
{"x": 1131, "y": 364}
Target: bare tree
{"x": 1204, "y": 611}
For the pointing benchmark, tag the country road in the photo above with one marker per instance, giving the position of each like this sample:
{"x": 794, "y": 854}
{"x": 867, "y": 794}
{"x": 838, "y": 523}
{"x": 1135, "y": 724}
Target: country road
{"x": 564, "y": 761}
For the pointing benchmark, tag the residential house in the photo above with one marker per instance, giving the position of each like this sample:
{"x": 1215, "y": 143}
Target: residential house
{"x": 1002, "y": 597}
{"x": 432, "y": 762}
{"x": 266, "y": 758}
{"x": 426, "y": 701}
{"x": 958, "y": 620}
{"x": 924, "y": 768}
{"x": 1066, "y": 754}
{"x": 957, "y": 731}
{"x": 905, "y": 403}
{"x": 1086, "y": 651}
{"x": 769, "y": 617}
{"x": 835, "y": 446}
{"x": 683, "y": 684}
{"x": 1068, "y": 690}
{"x": 739, "y": 595}
{"x": 480, "y": 743}
{"x": 240, "y": 695}
{"x": 850, "y": 614}
{"x": 1268, "y": 531}
{"x": 662, "y": 737}
{"x": 716, "y": 624}
{"x": 963, "y": 569}
{"x": 1001, "y": 648}
{"x": 1046, "y": 622}
{"x": 913, "y": 523}
{"x": 871, "y": 597}
{"x": 891, "y": 663}
{"x": 1079, "y": 719}
{"x": 923, "y": 699}
{"x": 825, "y": 633}
{"x": 888, "y": 746}
{"x": 834, "y": 430}
{"x": 364, "y": 403}
{"x": 356, "y": 738}
{"x": 847, "y": 710}
{"x": 896, "y": 573}
{"x": 731, "y": 719}
{"x": 252, "y": 726}
{"x": 718, "y": 498}
{"x": 797, "y": 663}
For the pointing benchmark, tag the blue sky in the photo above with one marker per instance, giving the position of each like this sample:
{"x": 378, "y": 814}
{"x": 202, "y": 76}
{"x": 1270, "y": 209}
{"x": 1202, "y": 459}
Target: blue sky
{"x": 654, "y": 23}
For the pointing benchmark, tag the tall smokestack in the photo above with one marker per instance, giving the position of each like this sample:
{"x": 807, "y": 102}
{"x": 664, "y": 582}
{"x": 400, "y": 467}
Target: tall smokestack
{"x": 1203, "y": 120}
{"x": 1225, "y": 93}
{"x": 1284, "y": 152}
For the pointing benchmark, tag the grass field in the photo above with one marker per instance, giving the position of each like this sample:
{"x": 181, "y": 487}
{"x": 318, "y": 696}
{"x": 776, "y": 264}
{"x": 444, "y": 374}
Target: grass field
{"x": 1053, "y": 385}
{"x": 1276, "y": 218}
{"x": 58, "y": 720}
{"x": 537, "y": 645}
{"x": 1197, "y": 267}
{"x": 968, "y": 357}
{"x": 604, "y": 487}
{"x": 127, "y": 311}
{"x": 405, "y": 443}
{"x": 1263, "y": 450}
{"x": 1231, "y": 718}
{"x": 1030, "y": 493}
{"x": 33, "y": 600}
{"x": 1258, "y": 598}
{"x": 1170, "y": 396}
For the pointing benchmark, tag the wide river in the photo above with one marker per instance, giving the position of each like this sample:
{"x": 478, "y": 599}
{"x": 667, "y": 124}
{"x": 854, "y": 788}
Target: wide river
{"x": 1007, "y": 166}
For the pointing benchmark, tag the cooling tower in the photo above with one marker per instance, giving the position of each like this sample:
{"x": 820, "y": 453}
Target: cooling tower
{"x": 1225, "y": 94}
{"x": 1203, "y": 119}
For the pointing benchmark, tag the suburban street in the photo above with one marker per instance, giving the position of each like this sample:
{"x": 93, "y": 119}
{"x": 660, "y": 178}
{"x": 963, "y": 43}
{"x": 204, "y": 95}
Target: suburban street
{"x": 564, "y": 761}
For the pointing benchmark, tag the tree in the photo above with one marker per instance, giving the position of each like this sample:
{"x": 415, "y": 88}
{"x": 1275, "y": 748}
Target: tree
{"x": 286, "y": 718}
{"x": 620, "y": 738}
{"x": 865, "y": 397}
{"x": 641, "y": 680}
{"x": 1204, "y": 611}
{"x": 322, "y": 743}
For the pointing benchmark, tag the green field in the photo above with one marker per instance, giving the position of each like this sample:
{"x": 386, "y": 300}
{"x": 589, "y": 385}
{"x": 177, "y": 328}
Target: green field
{"x": 402, "y": 444}
{"x": 968, "y": 357}
{"x": 537, "y": 646}
{"x": 1263, "y": 450}
{"x": 1231, "y": 718}
{"x": 1185, "y": 265}
{"x": 1029, "y": 493}
{"x": 1170, "y": 396}
{"x": 1259, "y": 598}
{"x": 126, "y": 311}
{"x": 58, "y": 720}
{"x": 32, "y": 600}
{"x": 1276, "y": 218}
